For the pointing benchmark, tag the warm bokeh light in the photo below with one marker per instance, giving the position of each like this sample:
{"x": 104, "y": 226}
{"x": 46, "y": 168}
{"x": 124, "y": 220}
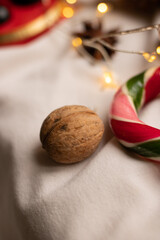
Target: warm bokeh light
{"x": 71, "y": 1}
{"x": 68, "y": 12}
{"x": 108, "y": 80}
{"x": 108, "y": 77}
{"x": 152, "y": 58}
{"x": 158, "y": 50}
{"x": 102, "y": 7}
{"x": 76, "y": 42}
{"x": 146, "y": 55}
{"x": 149, "y": 57}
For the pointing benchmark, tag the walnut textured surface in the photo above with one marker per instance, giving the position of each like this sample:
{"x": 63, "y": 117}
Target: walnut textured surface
{"x": 71, "y": 133}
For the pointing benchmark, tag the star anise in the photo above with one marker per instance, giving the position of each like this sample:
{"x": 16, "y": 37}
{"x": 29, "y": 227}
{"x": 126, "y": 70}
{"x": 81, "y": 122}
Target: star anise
{"x": 95, "y": 30}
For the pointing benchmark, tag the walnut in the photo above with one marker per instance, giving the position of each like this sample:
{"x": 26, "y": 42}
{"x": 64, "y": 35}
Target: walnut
{"x": 71, "y": 133}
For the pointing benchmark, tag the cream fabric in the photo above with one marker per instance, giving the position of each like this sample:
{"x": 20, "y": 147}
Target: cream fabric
{"x": 112, "y": 195}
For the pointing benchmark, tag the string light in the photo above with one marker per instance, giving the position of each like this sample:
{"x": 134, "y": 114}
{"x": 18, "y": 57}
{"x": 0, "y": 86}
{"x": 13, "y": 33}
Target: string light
{"x": 71, "y": 1}
{"x": 152, "y": 58}
{"x": 108, "y": 80}
{"x": 149, "y": 57}
{"x": 76, "y": 42}
{"x": 68, "y": 12}
{"x": 158, "y": 50}
{"x": 146, "y": 55}
{"x": 99, "y": 41}
{"x": 108, "y": 77}
{"x": 102, "y": 7}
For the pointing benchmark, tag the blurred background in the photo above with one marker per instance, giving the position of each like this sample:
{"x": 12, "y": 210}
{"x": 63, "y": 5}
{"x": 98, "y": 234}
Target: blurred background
{"x": 71, "y": 52}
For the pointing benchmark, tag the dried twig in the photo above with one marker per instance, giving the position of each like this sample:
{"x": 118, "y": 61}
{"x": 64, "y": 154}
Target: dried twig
{"x": 96, "y": 42}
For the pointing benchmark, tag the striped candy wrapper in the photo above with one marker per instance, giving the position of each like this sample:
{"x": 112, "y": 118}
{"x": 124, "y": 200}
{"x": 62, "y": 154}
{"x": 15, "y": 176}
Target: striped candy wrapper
{"x": 127, "y": 127}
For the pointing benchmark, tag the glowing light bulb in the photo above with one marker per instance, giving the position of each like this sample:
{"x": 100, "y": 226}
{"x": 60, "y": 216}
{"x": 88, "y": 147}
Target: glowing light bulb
{"x": 108, "y": 81}
{"x": 149, "y": 57}
{"x": 76, "y": 42}
{"x": 108, "y": 77}
{"x": 68, "y": 12}
{"x": 102, "y": 7}
{"x": 71, "y": 1}
{"x": 152, "y": 58}
{"x": 146, "y": 55}
{"x": 158, "y": 50}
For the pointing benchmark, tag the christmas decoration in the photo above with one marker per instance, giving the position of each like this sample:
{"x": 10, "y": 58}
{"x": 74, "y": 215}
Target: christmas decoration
{"x": 100, "y": 41}
{"x": 4, "y": 14}
{"x": 71, "y": 1}
{"x": 71, "y": 133}
{"x": 158, "y": 50}
{"x": 108, "y": 80}
{"x": 92, "y": 30}
{"x": 129, "y": 130}
{"x": 102, "y": 7}
{"x": 68, "y": 12}
{"x": 28, "y": 22}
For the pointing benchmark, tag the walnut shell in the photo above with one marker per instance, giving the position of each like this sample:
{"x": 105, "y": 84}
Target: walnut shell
{"x": 71, "y": 133}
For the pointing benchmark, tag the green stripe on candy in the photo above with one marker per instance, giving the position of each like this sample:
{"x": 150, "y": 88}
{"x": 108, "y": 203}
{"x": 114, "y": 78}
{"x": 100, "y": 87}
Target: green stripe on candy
{"x": 148, "y": 149}
{"x": 135, "y": 89}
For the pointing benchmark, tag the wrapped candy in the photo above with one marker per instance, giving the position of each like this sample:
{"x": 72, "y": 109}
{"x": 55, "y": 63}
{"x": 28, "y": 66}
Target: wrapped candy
{"x": 129, "y": 130}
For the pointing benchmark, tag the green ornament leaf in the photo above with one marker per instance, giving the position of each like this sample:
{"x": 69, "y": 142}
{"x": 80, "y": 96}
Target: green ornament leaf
{"x": 148, "y": 149}
{"x": 135, "y": 89}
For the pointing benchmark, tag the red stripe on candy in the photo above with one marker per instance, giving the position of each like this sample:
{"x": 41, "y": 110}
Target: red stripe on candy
{"x": 152, "y": 88}
{"x": 121, "y": 107}
{"x": 133, "y": 132}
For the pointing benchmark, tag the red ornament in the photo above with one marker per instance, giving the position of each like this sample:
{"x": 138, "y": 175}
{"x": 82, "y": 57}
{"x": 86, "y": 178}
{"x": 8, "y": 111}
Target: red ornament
{"x": 21, "y": 27}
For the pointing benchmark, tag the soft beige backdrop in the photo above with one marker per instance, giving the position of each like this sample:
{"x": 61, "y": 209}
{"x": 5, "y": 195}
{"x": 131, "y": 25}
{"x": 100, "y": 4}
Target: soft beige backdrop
{"x": 112, "y": 195}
